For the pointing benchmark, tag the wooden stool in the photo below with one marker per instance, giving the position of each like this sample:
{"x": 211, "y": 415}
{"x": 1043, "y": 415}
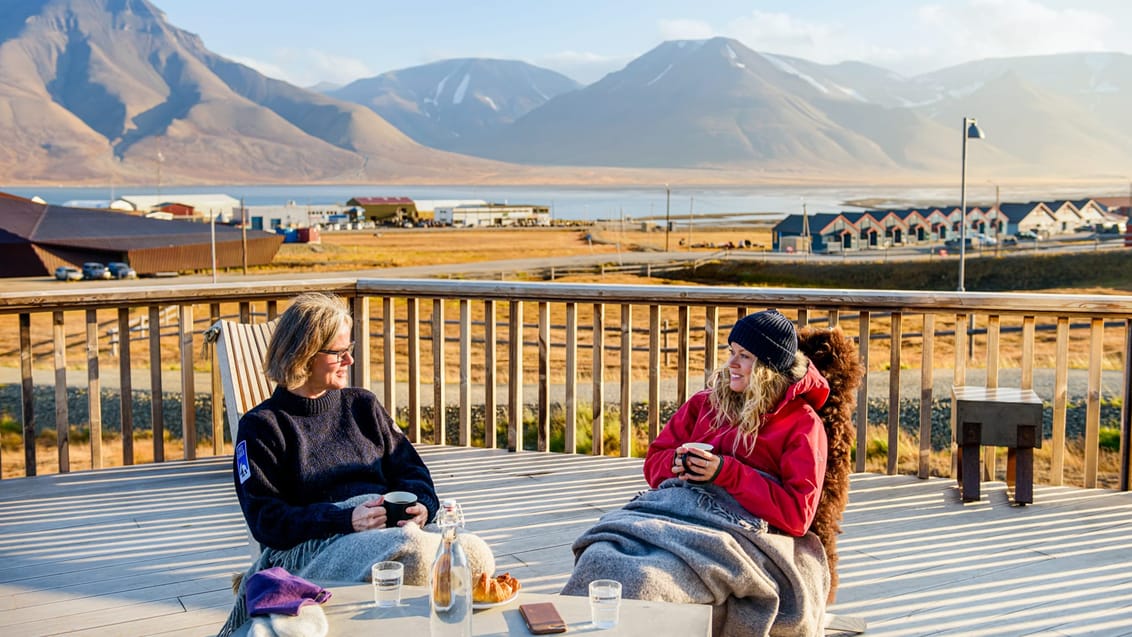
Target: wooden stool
{"x": 1000, "y": 417}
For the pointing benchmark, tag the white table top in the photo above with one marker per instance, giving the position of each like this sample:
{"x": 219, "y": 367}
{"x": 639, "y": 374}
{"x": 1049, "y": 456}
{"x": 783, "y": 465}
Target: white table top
{"x": 351, "y": 611}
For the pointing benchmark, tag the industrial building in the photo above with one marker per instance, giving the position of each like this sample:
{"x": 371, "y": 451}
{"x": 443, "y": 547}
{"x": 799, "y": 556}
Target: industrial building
{"x": 36, "y": 237}
{"x": 492, "y": 214}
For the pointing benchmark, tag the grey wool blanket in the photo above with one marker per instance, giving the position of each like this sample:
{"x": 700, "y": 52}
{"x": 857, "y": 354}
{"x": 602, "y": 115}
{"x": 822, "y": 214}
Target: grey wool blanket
{"x": 347, "y": 558}
{"x": 696, "y": 544}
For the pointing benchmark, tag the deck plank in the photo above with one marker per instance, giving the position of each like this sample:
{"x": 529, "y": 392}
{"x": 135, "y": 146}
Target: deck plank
{"x": 150, "y": 549}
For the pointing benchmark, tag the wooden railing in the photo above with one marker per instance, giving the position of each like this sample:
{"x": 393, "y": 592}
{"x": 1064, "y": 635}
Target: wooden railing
{"x": 547, "y": 354}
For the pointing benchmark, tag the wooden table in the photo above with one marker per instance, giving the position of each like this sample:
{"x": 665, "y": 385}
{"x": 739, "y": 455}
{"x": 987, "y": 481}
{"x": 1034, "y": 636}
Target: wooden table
{"x": 1000, "y": 417}
{"x": 351, "y": 611}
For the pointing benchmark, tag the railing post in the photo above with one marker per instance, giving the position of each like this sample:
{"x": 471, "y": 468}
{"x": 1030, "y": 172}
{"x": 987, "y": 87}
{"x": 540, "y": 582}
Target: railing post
{"x": 362, "y": 356}
{"x": 626, "y": 380}
{"x": 896, "y": 336}
{"x": 927, "y": 365}
{"x": 863, "y": 340}
{"x": 439, "y": 397}
{"x": 389, "y": 358}
{"x": 188, "y": 383}
{"x": 683, "y": 354}
{"x": 414, "y": 383}
{"x": 654, "y": 372}
{"x": 94, "y": 390}
{"x": 515, "y": 378}
{"x": 543, "y": 417}
{"x": 464, "y": 437}
{"x": 125, "y": 384}
{"x": 1126, "y": 411}
{"x": 489, "y": 371}
{"x": 571, "y": 380}
{"x": 62, "y": 415}
{"x": 156, "y": 398}
{"x": 597, "y": 424}
{"x": 1060, "y": 402}
{"x": 711, "y": 341}
{"x": 1093, "y": 402}
{"x": 27, "y": 395}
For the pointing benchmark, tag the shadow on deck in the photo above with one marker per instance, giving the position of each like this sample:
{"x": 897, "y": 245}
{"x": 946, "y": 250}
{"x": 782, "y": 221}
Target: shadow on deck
{"x": 149, "y": 550}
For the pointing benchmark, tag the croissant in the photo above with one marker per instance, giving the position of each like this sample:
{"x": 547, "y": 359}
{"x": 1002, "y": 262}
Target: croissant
{"x": 490, "y": 590}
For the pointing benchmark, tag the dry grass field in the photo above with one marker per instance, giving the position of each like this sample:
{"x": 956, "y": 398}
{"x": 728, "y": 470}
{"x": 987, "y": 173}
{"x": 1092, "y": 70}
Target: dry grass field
{"x": 359, "y": 251}
{"x": 401, "y": 247}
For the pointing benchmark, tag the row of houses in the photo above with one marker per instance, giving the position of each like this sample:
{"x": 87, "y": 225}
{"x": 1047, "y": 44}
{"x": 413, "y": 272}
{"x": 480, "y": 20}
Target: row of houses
{"x": 875, "y": 229}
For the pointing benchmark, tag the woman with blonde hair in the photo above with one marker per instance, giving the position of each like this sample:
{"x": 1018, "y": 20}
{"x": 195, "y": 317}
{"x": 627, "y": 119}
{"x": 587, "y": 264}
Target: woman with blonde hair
{"x": 759, "y": 413}
{"x": 313, "y": 465}
{"x": 736, "y": 476}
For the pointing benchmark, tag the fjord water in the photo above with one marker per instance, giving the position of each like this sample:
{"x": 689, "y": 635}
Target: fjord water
{"x": 572, "y": 203}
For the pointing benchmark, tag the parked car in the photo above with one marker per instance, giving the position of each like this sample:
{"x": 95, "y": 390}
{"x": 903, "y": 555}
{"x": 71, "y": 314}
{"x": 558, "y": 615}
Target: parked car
{"x": 95, "y": 270}
{"x": 1027, "y": 235}
{"x": 67, "y": 273}
{"x": 120, "y": 270}
{"x": 953, "y": 243}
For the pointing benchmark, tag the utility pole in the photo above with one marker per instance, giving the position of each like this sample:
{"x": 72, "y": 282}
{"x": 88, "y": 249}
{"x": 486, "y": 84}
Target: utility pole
{"x": 667, "y": 214}
{"x": 998, "y": 227}
{"x": 691, "y": 204}
{"x": 806, "y": 228}
{"x": 244, "y": 234}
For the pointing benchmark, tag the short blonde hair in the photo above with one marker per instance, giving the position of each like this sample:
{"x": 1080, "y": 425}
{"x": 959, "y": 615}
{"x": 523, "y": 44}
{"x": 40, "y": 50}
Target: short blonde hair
{"x": 308, "y": 325}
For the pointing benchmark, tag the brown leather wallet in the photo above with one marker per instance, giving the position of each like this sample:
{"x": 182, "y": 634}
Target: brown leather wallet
{"x": 542, "y": 618}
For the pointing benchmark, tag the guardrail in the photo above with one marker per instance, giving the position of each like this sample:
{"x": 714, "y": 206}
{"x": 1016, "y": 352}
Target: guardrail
{"x": 511, "y": 362}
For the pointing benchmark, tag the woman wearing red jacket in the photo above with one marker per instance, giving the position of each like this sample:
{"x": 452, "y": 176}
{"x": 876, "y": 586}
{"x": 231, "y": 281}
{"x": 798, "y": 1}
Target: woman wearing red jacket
{"x": 759, "y": 413}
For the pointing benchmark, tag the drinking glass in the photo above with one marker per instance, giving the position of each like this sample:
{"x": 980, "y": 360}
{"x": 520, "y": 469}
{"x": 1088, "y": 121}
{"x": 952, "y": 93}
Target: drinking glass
{"x": 605, "y": 602}
{"x": 387, "y": 578}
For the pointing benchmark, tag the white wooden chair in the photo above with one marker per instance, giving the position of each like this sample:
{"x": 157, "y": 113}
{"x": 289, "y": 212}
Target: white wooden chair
{"x": 240, "y": 350}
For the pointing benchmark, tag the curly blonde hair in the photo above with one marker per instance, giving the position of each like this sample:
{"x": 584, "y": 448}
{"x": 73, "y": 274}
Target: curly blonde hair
{"x": 745, "y": 410}
{"x": 309, "y": 324}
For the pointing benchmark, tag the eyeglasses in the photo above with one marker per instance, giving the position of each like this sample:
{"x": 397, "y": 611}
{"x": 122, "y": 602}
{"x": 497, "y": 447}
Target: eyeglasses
{"x": 338, "y": 354}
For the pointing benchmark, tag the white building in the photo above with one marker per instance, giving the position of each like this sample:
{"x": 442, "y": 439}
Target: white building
{"x": 223, "y": 207}
{"x": 426, "y": 208}
{"x": 493, "y": 215}
{"x": 294, "y": 215}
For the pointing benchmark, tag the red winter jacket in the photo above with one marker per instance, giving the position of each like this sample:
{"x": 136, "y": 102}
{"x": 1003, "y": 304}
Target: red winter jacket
{"x": 791, "y": 447}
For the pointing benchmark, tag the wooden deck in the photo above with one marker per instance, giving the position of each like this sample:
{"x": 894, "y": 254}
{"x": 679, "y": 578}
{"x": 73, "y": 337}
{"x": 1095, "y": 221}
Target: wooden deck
{"x": 149, "y": 550}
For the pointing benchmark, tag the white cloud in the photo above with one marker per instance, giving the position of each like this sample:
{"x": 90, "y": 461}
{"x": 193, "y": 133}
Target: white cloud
{"x": 782, "y": 33}
{"x": 1005, "y": 28}
{"x": 582, "y": 66}
{"x": 936, "y": 35}
{"x": 307, "y": 67}
{"x": 685, "y": 30}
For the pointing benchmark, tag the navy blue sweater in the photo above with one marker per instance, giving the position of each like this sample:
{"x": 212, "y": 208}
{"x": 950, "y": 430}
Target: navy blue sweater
{"x": 296, "y": 456}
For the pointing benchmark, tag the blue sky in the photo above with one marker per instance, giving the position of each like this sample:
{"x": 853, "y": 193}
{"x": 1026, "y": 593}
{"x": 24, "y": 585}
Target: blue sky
{"x": 305, "y": 42}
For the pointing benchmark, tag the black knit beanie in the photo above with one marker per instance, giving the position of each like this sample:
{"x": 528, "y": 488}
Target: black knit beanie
{"x": 768, "y": 335}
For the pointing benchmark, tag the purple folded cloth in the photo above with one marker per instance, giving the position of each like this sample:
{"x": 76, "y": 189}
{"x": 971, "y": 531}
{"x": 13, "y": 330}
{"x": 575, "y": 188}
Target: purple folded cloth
{"x": 274, "y": 590}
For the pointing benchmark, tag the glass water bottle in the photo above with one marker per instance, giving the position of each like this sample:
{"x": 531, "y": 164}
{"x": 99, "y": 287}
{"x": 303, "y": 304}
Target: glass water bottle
{"x": 450, "y": 601}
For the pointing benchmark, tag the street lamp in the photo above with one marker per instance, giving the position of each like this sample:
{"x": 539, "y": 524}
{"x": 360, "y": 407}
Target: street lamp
{"x": 970, "y": 131}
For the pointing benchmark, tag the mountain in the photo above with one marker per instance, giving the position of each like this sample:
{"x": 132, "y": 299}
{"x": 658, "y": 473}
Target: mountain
{"x": 107, "y": 89}
{"x": 439, "y": 103}
{"x": 97, "y": 91}
{"x": 711, "y": 104}
{"x": 715, "y": 103}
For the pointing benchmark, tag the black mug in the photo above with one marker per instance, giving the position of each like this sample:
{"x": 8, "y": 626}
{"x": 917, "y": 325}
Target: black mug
{"x": 703, "y": 446}
{"x": 395, "y": 503}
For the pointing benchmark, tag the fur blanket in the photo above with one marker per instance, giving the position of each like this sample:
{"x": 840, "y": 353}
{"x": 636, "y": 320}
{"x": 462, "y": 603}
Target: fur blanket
{"x": 837, "y": 358}
{"x": 347, "y": 558}
{"x": 696, "y": 544}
